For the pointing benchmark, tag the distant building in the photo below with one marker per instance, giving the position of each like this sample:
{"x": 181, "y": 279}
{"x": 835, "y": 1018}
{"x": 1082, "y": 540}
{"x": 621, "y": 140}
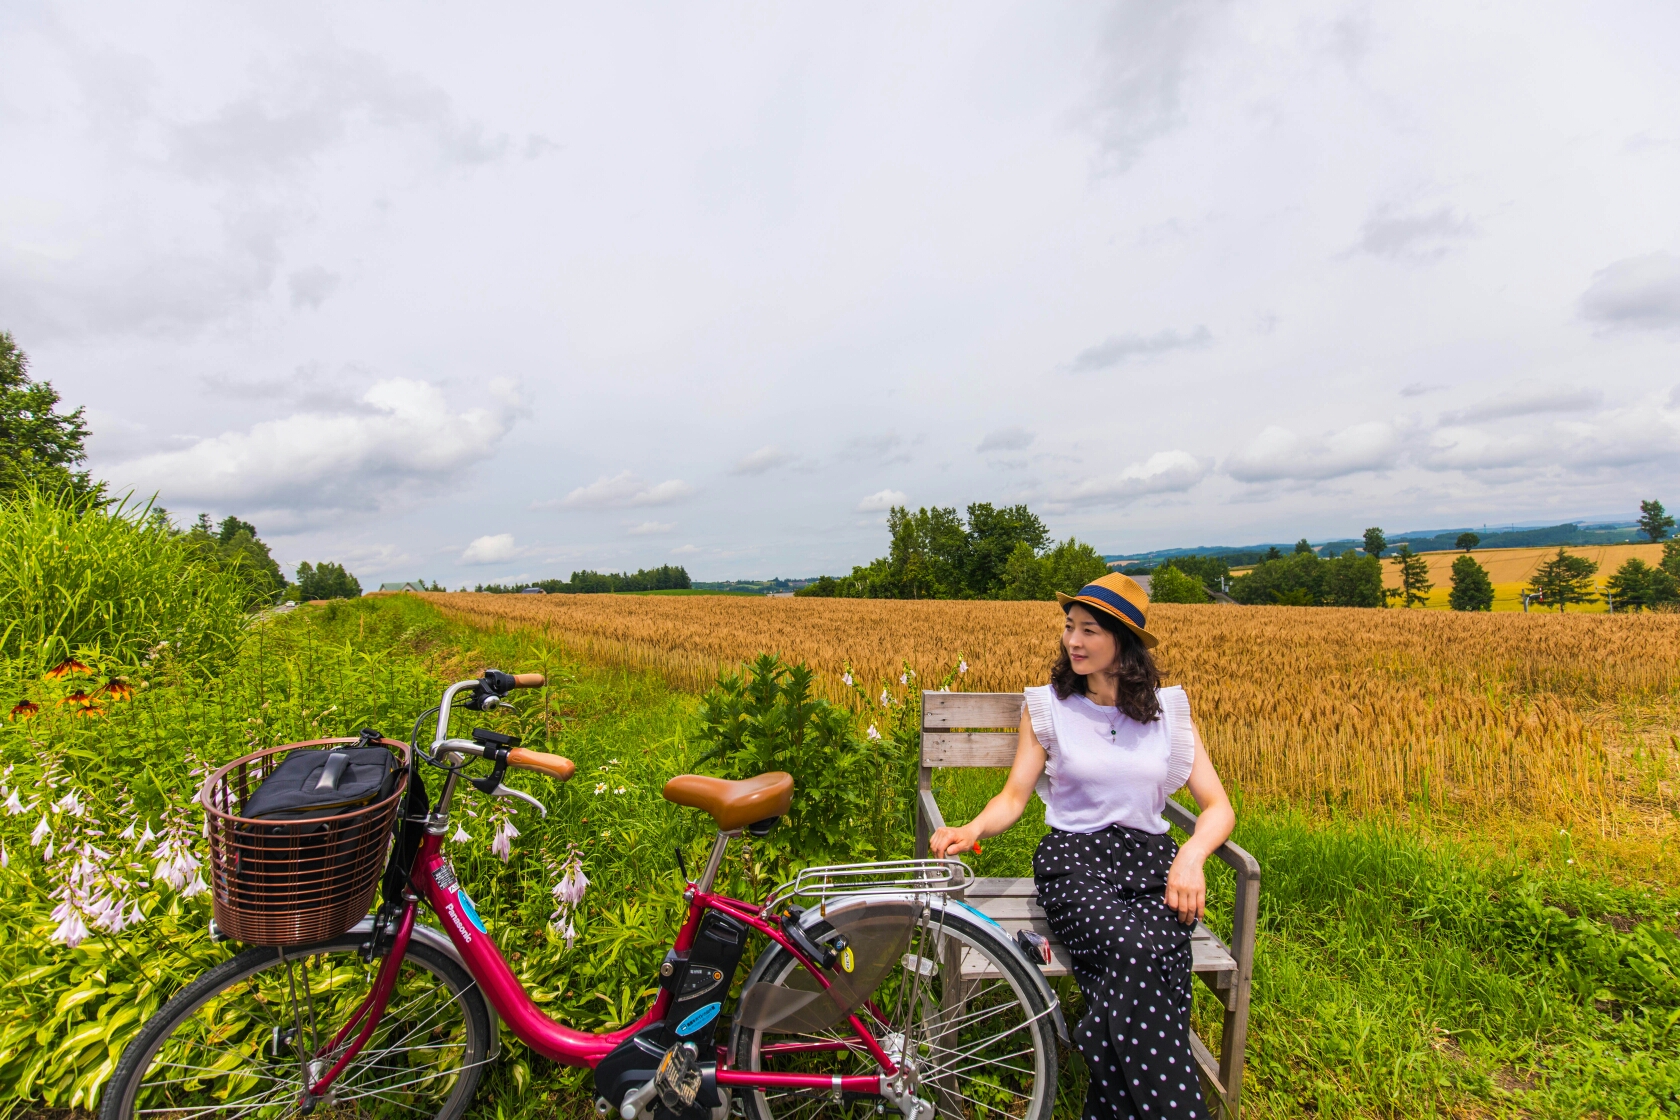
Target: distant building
{"x": 410, "y": 586}
{"x": 532, "y": 591}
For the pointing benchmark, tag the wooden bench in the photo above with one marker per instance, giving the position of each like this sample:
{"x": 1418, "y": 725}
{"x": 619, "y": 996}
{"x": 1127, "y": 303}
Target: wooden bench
{"x": 963, "y": 729}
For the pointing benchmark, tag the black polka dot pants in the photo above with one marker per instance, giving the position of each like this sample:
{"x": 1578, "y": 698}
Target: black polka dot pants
{"x": 1105, "y": 895}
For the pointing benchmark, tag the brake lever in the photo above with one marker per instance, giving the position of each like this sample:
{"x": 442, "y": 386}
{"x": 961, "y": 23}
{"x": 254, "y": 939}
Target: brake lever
{"x": 504, "y": 791}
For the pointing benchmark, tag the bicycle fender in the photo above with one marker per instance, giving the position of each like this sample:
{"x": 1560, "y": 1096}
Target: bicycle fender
{"x": 984, "y": 925}
{"x": 437, "y": 939}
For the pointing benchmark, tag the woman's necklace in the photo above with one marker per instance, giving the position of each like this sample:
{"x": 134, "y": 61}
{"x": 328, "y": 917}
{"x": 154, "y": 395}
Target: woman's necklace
{"x": 1113, "y": 719}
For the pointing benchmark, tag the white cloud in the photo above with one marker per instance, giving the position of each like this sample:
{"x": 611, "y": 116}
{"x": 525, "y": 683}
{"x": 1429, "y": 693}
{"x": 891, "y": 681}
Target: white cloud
{"x": 1124, "y": 347}
{"x": 1636, "y": 292}
{"x": 1006, "y": 439}
{"x": 766, "y": 458}
{"x": 1626, "y": 437}
{"x": 1415, "y": 237}
{"x": 1164, "y": 472}
{"x": 1527, "y": 399}
{"x": 881, "y": 500}
{"x": 490, "y": 550}
{"x": 624, "y": 490}
{"x": 401, "y": 436}
{"x": 311, "y": 286}
{"x": 1277, "y": 454}
{"x": 685, "y": 550}
{"x": 651, "y": 528}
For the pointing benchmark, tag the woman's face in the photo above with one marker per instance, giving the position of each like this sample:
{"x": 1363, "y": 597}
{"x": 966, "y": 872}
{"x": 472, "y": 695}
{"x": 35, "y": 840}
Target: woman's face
{"x": 1090, "y": 648}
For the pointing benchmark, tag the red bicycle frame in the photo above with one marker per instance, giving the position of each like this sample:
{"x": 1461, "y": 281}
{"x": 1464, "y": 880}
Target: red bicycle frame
{"x": 433, "y": 879}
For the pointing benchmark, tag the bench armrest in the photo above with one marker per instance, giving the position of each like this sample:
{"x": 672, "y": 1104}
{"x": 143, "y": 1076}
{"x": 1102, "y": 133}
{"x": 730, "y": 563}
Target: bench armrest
{"x": 1245, "y": 865}
{"x": 928, "y": 821}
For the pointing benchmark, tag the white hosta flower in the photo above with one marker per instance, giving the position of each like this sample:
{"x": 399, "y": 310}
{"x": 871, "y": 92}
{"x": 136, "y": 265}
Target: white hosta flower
{"x": 572, "y": 885}
{"x": 886, "y": 698}
{"x": 570, "y": 933}
{"x": 460, "y": 836}
{"x": 47, "y": 853}
{"x": 962, "y": 666}
{"x": 71, "y": 804}
{"x": 14, "y": 804}
{"x": 904, "y": 678}
{"x": 847, "y": 677}
{"x": 135, "y": 917}
{"x": 43, "y": 831}
{"x": 502, "y": 845}
{"x": 71, "y": 931}
{"x": 872, "y": 733}
{"x": 149, "y": 835}
{"x": 127, "y": 833}
{"x": 197, "y": 887}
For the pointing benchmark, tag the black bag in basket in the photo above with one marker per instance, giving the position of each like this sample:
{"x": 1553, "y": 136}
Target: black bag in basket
{"x": 294, "y": 846}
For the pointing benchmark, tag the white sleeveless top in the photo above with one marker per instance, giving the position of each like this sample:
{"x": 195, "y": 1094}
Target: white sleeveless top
{"x": 1105, "y": 767}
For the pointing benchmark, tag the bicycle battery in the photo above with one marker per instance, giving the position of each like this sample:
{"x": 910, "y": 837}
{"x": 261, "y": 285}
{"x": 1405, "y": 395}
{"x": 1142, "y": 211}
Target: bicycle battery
{"x": 698, "y": 979}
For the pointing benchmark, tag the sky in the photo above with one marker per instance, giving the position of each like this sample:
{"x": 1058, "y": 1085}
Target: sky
{"x": 493, "y": 293}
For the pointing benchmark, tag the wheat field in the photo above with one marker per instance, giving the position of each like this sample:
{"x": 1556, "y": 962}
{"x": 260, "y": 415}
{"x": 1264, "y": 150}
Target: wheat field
{"x": 1563, "y": 719}
{"x": 1510, "y": 569}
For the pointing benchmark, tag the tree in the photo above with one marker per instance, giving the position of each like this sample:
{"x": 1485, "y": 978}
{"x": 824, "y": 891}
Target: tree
{"x": 1564, "y": 579}
{"x": 1637, "y": 586}
{"x": 1352, "y": 580}
{"x": 1467, "y": 541}
{"x": 1414, "y": 575}
{"x": 1670, "y": 561}
{"x": 1296, "y": 580}
{"x": 1472, "y": 590}
{"x": 1169, "y": 585}
{"x": 1272, "y": 553}
{"x": 822, "y": 587}
{"x": 1375, "y": 542}
{"x": 1654, "y": 521}
{"x": 38, "y": 445}
{"x": 326, "y": 581}
{"x": 234, "y": 544}
{"x": 1302, "y": 546}
{"x": 1026, "y": 575}
{"x": 1073, "y": 564}
{"x": 990, "y": 541}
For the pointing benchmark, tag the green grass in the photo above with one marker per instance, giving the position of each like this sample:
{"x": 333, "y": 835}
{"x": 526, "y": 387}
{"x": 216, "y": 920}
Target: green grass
{"x": 1398, "y": 974}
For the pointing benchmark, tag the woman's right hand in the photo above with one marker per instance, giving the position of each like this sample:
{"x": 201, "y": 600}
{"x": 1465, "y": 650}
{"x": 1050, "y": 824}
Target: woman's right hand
{"x": 947, "y": 842}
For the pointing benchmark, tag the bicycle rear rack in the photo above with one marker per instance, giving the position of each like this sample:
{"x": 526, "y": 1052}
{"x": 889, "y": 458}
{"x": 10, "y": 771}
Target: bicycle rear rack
{"x": 901, "y": 876}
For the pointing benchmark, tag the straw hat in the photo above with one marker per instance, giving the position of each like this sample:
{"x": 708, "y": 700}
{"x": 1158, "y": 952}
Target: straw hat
{"x": 1119, "y": 596}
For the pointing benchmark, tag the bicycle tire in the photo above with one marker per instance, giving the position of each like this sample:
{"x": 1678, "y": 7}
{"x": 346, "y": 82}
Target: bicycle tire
{"x": 471, "y": 1042}
{"x": 980, "y": 951}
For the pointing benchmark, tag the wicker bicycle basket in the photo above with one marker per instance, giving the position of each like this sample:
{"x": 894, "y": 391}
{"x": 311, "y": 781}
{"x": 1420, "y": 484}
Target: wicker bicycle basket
{"x": 293, "y": 882}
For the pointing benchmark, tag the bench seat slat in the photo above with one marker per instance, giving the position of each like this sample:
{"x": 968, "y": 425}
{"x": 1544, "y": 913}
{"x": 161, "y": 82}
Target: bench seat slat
{"x": 1017, "y": 910}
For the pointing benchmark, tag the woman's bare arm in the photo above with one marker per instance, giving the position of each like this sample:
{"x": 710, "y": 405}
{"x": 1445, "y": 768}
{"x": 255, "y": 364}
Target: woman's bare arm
{"x": 1186, "y": 884}
{"x": 1002, "y": 811}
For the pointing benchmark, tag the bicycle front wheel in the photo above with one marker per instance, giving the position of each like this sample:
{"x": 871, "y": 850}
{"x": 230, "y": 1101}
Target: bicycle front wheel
{"x": 240, "y": 1040}
{"x": 959, "y": 1014}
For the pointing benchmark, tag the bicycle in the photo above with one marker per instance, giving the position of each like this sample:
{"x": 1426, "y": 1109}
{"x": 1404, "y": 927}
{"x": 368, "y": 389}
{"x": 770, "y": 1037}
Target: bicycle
{"x": 885, "y": 990}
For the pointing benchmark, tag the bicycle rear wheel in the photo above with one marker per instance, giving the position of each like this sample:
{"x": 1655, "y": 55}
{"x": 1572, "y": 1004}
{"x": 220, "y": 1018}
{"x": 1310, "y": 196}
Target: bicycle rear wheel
{"x": 237, "y": 1041}
{"x": 959, "y": 1013}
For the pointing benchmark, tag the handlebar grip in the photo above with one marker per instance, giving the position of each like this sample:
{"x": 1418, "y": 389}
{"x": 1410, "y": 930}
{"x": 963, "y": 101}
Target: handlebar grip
{"x": 555, "y": 766}
{"x": 527, "y": 680}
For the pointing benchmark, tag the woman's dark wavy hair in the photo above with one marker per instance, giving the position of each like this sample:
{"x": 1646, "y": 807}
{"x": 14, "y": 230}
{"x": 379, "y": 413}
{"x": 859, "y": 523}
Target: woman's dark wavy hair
{"x": 1139, "y": 678}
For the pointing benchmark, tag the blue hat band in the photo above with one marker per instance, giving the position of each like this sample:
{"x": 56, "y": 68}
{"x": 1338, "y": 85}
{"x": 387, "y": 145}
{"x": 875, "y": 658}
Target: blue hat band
{"x": 1108, "y": 598}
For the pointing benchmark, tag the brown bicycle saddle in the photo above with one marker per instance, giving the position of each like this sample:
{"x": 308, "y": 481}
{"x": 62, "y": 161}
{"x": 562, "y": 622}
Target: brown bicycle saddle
{"x": 734, "y": 804}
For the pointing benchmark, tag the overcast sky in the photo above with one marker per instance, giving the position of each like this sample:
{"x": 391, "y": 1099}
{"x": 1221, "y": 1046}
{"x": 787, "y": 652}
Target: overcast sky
{"x": 501, "y": 291}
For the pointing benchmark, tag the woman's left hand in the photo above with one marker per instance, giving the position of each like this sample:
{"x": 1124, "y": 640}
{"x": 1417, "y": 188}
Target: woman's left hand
{"x": 1187, "y": 888}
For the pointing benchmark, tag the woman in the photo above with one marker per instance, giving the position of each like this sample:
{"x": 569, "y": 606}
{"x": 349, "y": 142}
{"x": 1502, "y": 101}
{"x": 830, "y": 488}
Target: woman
{"x": 1104, "y": 745}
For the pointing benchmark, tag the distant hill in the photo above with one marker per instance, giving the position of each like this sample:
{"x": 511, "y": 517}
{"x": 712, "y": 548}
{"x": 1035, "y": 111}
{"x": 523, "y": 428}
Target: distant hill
{"x": 1421, "y": 540}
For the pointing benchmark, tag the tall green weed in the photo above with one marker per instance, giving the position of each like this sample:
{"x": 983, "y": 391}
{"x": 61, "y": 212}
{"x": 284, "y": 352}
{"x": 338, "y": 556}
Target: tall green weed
{"x": 108, "y": 585}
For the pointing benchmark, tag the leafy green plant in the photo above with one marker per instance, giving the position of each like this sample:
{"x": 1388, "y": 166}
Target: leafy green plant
{"x": 83, "y": 581}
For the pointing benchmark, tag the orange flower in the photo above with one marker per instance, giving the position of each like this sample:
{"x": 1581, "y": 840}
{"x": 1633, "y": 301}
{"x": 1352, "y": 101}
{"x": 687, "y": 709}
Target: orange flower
{"x": 64, "y": 668}
{"x": 117, "y": 689}
{"x": 23, "y": 709}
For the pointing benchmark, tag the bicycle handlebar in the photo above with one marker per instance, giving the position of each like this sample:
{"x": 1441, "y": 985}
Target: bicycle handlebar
{"x": 527, "y": 680}
{"x": 554, "y": 765}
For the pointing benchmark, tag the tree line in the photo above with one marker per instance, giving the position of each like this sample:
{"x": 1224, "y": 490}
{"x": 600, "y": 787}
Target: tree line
{"x": 666, "y": 577}
{"x": 990, "y": 552}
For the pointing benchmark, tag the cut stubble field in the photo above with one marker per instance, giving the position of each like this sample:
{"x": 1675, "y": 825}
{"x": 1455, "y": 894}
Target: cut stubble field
{"x": 1508, "y": 728}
